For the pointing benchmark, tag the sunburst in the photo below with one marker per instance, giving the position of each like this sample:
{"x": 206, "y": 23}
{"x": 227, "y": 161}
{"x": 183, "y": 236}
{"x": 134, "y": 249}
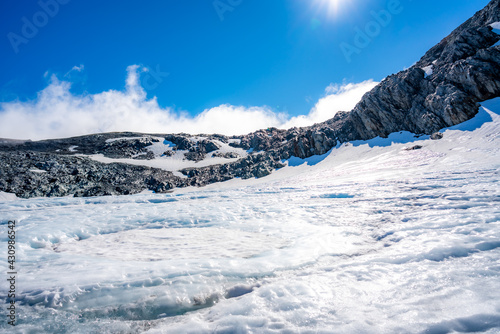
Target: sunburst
{"x": 333, "y": 6}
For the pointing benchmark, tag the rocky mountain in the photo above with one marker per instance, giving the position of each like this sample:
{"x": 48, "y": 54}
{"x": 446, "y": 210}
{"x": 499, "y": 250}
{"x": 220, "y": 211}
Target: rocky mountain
{"x": 441, "y": 90}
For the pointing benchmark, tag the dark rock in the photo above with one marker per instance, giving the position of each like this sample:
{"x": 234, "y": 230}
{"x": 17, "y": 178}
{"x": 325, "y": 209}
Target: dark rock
{"x": 64, "y": 175}
{"x": 436, "y": 136}
{"x": 412, "y": 148}
{"x": 262, "y": 171}
{"x": 182, "y": 142}
{"x": 208, "y": 146}
{"x": 227, "y": 155}
{"x": 146, "y": 156}
{"x": 127, "y": 148}
{"x": 195, "y": 156}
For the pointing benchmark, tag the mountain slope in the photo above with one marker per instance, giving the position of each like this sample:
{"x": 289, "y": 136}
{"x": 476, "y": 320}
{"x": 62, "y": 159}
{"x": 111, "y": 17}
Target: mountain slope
{"x": 441, "y": 90}
{"x": 370, "y": 240}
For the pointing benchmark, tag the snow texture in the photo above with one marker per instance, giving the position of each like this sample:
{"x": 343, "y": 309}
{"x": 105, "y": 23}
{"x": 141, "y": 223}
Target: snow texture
{"x": 370, "y": 238}
{"x": 428, "y": 70}
{"x": 495, "y": 25}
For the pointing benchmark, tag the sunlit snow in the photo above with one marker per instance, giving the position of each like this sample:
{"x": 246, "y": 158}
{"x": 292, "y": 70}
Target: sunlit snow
{"x": 495, "y": 25}
{"x": 428, "y": 70}
{"x": 374, "y": 237}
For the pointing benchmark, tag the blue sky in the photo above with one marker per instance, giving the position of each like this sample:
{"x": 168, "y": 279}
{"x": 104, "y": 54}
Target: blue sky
{"x": 279, "y": 55}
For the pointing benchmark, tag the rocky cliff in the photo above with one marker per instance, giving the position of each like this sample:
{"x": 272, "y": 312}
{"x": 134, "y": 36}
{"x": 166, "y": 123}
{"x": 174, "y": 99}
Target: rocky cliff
{"x": 441, "y": 90}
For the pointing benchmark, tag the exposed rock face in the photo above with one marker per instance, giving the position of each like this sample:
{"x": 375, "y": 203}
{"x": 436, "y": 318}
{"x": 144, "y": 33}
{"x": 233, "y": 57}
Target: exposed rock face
{"x": 437, "y": 136}
{"x": 228, "y": 155}
{"x": 257, "y": 165}
{"x": 34, "y": 174}
{"x": 441, "y": 90}
{"x": 121, "y": 148}
{"x": 465, "y": 70}
{"x": 198, "y": 151}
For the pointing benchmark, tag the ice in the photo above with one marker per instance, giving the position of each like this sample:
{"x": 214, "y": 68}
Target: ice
{"x": 36, "y": 170}
{"x": 7, "y": 196}
{"x": 369, "y": 238}
{"x": 495, "y": 25}
{"x": 173, "y": 244}
{"x": 428, "y": 70}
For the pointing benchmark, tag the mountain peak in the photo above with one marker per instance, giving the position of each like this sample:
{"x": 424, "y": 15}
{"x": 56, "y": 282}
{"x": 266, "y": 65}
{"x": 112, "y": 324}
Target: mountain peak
{"x": 441, "y": 90}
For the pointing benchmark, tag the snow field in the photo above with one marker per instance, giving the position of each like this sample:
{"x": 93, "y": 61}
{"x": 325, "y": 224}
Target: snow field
{"x": 371, "y": 238}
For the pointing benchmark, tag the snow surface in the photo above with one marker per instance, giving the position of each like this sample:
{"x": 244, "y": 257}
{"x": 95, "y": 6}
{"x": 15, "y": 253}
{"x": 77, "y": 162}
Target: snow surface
{"x": 428, "y": 70}
{"x": 371, "y": 238}
{"x": 495, "y": 25}
{"x": 7, "y": 196}
{"x": 36, "y": 170}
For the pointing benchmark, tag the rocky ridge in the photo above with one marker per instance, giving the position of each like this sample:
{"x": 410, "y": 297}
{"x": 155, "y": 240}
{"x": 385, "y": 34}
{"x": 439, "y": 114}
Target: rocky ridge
{"x": 441, "y": 90}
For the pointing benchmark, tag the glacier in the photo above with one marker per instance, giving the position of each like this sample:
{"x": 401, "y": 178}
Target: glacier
{"x": 390, "y": 235}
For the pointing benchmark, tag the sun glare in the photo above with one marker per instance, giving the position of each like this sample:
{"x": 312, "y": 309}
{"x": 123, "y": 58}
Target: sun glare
{"x": 333, "y": 6}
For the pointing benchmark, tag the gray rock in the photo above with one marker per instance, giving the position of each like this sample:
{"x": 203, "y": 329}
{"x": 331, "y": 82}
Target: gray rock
{"x": 145, "y": 156}
{"x": 227, "y": 155}
{"x": 127, "y": 148}
{"x": 195, "y": 155}
{"x": 208, "y": 146}
{"x": 36, "y": 174}
{"x": 413, "y": 148}
{"x": 436, "y": 136}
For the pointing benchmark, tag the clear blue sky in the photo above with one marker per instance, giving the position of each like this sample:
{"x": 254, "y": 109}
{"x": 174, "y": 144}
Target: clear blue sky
{"x": 276, "y": 53}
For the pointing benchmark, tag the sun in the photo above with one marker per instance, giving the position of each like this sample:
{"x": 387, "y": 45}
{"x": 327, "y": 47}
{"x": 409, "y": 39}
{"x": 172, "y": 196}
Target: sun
{"x": 334, "y": 3}
{"x": 332, "y": 6}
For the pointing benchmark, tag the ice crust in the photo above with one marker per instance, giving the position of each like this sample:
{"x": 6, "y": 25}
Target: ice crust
{"x": 371, "y": 238}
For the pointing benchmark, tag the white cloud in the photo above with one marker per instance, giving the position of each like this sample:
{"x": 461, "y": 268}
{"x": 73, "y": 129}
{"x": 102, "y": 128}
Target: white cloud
{"x": 57, "y": 113}
{"x": 70, "y": 73}
{"x": 338, "y": 98}
{"x": 78, "y": 68}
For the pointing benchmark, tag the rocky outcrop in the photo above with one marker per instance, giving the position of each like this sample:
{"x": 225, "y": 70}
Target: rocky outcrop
{"x": 199, "y": 150}
{"x": 441, "y": 90}
{"x": 36, "y": 174}
{"x": 463, "y": 69}
{"x": 111, "y": 145}
{"x": 122, "y": 148}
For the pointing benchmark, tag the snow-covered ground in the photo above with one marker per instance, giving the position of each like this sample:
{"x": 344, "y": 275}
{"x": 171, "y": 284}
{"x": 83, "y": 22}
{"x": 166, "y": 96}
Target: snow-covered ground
{"x": 177, "y": 161}
{"x": 370, "y": 238}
